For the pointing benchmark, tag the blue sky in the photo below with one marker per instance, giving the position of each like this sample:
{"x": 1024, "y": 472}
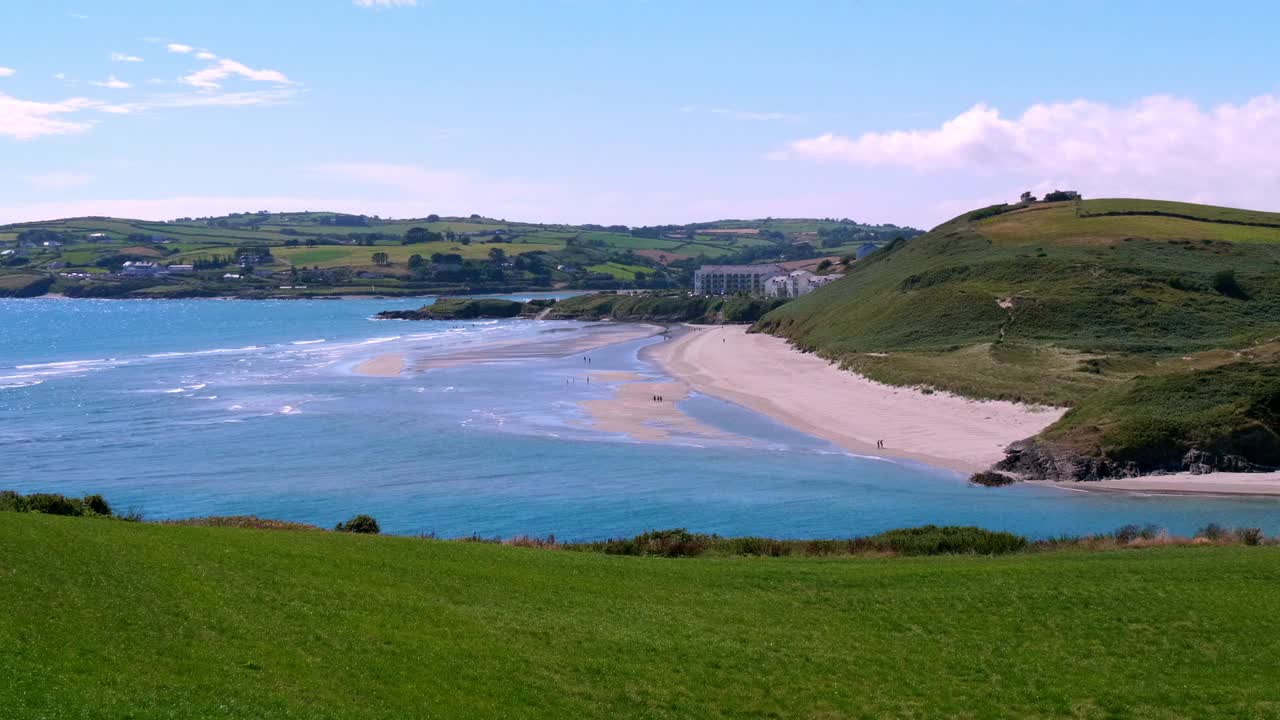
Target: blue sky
{"x": 628, "y": 111}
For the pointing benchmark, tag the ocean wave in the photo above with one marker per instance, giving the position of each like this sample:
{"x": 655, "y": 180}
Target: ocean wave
{"x": 307, "y": 342}
{"x": 66, "y": 364}
{"x": 215, "y": 351}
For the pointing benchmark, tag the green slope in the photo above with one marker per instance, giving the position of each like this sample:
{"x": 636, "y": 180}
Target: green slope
{"x": 151, "y": 621}
{"x": 1053, "y": 302}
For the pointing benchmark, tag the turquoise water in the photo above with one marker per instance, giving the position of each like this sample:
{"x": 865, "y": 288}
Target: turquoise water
{"x": 184, "y": 408}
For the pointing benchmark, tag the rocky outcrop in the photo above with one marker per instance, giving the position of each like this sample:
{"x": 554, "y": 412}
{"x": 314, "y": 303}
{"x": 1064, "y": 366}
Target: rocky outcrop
{"x": 1037, "y": 460}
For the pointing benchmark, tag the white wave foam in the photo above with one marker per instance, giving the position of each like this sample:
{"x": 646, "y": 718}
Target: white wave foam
{"x": 288, "y": 410}
{"x": 215, "y": 351}
{"x": 307, "y": 342}
{"x": 66, "y": 364}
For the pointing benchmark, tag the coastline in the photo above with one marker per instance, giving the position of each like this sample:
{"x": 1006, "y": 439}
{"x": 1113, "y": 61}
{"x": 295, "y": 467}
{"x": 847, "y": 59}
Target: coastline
{"x": 1259, "y": 485}
{"x": 807, "y": 393}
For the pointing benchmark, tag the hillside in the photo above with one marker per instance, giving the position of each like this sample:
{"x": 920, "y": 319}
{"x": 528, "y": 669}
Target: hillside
{"x": 149, "y": 621}
{"x": 308, "y": 254}
{"x": 1071, "y": 303}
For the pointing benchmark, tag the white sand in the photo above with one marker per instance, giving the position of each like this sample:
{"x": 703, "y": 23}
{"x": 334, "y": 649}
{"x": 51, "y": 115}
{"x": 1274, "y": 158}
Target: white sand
{"x": 1222, "y": 483}
{"x": 632, "y": 410}
{"x": 808, "y": 393}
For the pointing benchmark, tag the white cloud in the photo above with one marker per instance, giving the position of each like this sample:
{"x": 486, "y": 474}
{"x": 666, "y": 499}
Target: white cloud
{"x": 384, "y": 3}
{"x": 122, "y": 57}
{"x": 1159, "y": 146}
{"x": 26, "y": 119}
{"x": 179, "y": 48}
{"x": 59, "y": 180}
{"x": 206, "y": 55}
{"x": 113, "y": 82}
{"x": 77, "y": 16}
{"x": 211, "y": 77}
{"x": 7, "y": 72}
{"x": 59, "y": 76}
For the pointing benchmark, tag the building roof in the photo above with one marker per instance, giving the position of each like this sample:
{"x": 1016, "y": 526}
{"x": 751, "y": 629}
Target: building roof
{"x": 740, "y": 268}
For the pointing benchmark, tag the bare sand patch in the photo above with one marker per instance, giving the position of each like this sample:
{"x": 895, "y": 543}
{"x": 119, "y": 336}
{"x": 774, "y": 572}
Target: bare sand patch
{"x": 634, "y": 411}
{"x": 388, "y": 365}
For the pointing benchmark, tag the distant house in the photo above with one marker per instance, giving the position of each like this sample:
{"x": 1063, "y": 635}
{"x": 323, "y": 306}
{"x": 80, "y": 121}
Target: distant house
{"x": 181, "y": 269}
{"x": 866, "y": 249}
{"x": 97, "y": 237}
{"x": 56, "y": 265}
{"x": 142, "y": 268}
{"x": 6, "y": 252}
{"x": 231, "y": 276}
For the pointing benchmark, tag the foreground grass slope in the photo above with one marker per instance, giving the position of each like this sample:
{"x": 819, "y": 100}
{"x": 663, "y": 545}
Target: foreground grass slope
{"x": 1053, "y": 302}
{"x": 111, "y": 619}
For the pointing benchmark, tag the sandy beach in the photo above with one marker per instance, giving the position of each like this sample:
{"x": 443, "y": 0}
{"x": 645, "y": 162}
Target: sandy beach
{"x": 808, "y": 393}
{"x": 1223, "y": 483}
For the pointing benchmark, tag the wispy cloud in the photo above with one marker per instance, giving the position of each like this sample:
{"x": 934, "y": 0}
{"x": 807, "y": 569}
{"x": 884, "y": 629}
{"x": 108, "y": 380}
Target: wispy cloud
{"x": 77, "y": 16}
{"x": 206, "y": 55}
{"x": 122, "y": 57}
{"x": 27, "y": 119}
{"x": 112, "y": 82}
{"x": 7, "y": 72}
{"x": 384, "y": 3}
{"x": 737, "y": 114}
{"x": 178, "y": 48}
{"x": 59, "y": 180}
{"x": 211, "y": 78}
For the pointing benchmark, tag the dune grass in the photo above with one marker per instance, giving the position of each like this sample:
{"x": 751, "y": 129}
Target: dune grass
{"x": 150, "y": 621}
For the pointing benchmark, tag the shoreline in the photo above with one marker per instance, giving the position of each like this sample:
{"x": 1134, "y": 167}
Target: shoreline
{"x": 805, "y": 392}
{"x": 1221, "y": 484}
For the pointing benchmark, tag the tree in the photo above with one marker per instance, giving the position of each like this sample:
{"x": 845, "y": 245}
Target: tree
{"x": 1027, "y": 197}
{"x": 497, "y": 255}
{"x": 433, "y": 218}
{"x": 416, "y": 261}
{"x": 464, "y": 240}
{"x": 380, "y": 258}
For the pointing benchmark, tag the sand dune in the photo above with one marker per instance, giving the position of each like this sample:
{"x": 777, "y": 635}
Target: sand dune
{"x": 808, "y": 393}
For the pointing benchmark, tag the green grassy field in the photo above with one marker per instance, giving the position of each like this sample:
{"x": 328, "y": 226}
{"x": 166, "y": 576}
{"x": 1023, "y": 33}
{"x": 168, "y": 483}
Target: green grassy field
{"x": 152, "y": 621}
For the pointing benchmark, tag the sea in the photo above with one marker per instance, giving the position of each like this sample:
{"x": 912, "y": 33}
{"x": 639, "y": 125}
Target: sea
{"x": 184, "y": 408}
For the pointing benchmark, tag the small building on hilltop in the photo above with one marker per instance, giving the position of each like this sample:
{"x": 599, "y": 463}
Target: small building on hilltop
{"x": 142, "y": 268}
{"x": 866, "y": 249}
{"x": 734, "y": 279}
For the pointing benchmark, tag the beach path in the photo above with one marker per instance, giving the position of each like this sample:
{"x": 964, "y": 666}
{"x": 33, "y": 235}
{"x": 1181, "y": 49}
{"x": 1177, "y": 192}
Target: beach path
{"x": 804, "y": 391}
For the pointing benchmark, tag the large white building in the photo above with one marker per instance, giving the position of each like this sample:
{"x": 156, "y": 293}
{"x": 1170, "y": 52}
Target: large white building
{"x": 734, "y": 279}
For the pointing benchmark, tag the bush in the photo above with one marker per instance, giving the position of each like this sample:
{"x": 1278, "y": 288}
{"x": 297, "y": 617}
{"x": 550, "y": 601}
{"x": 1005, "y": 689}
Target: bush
{"x": 363, "y": 524}
{"x": 1249, "y": 536}
{"x": 991, "y": 479}
{"x": 97, "y": 504}
{"x": 948, "y": 540}
{"x": 1129, "y": 533}
{"x": 1224, "y": 281}
{"x": 662, "y": 543}
{"x": 1212, "y": 531}
{"x": 54, "y": 504}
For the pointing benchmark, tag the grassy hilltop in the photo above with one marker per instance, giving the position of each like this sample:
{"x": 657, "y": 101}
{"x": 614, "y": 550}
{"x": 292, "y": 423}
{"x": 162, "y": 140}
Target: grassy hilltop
{"x": 150, "y": 621}
{"x": 1156, "y": 321}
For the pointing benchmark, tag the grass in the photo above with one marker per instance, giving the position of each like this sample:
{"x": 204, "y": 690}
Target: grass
{"x": 332, "y": 256}
{"x": 1059, "y": 223}
{"x": 149, "y": 621}
{"x": 619, "y": 270}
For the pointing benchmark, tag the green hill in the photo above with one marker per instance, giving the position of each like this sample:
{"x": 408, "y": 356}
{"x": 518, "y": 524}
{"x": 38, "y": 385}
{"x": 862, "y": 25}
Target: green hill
{"x": 157, "y": 621}
{"x": 1055, "y": 302}
{"x": 325, "y": 253}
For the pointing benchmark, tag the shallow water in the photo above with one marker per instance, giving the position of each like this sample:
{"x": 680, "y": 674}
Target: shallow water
{"x": 198, "y": 407}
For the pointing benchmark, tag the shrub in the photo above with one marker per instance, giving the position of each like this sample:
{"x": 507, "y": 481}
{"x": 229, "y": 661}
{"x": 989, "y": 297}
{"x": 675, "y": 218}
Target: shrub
{"x": 97, "y": 504}
{"x": 53, "y": 504}
{"x": 991, "y": 479}
{"x": 1249, "y": 536}
{"x": 363, "y": 524}
{"x": 1129, "y": 533}
{"x": 1224, "y": 281}
{"x": 1212, "y": 531}
{"x": 949, "y": 540}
